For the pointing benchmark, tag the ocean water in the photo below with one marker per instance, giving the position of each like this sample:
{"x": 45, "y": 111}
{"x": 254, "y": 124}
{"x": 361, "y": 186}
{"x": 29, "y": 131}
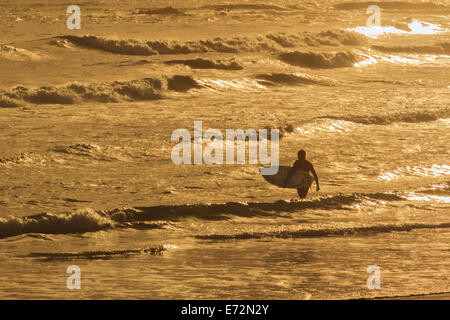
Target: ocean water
{"x": 86, "y": 118}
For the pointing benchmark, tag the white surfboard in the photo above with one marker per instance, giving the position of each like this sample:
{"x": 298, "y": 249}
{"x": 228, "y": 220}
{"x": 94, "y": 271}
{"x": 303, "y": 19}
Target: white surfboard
{"x": 300, "y": 179}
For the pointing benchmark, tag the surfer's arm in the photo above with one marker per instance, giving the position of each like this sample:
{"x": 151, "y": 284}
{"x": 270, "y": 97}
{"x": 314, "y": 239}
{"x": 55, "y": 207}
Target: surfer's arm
{"x": 316, "y": 178}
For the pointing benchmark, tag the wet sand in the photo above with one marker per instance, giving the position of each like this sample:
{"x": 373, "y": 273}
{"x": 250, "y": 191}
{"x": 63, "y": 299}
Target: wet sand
{"x": 437, "y": 296}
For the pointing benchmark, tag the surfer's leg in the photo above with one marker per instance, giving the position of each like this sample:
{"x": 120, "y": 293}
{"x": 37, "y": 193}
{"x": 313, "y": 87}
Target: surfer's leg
{"x": 302, "y": 193}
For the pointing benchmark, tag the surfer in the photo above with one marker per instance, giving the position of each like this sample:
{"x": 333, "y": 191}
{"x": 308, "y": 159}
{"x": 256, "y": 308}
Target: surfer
{"x": 305, "y": 167}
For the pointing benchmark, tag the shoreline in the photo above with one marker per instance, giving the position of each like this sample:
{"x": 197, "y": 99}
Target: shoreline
{"x": 431, "y": 296}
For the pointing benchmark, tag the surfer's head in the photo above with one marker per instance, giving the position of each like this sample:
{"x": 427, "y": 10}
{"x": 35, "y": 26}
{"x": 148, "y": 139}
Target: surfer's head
{"x": 301, "y": 155}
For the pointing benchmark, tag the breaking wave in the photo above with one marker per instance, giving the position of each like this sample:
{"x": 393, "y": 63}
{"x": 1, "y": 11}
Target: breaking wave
{"x": 78, "y": 222}
{"x": 134, "y": 90}
{"x": 438, "y": 48}
{"x": 413, "y": 117}
{"x": 146, "y": 48}
{"x": 244, "y": 6}
{"x": 325, "y": 232}
{"x": 160, "y": 11}
{"x": 166, "y": 216}
{"x": 21, "y": 159}
{"x": 207, "y": 64}
{"x": 6, "y": 102}
{"x": 293, "y": 79}
{"x": 17, "y": 54}
{"x": 269, "y": 42}
{"x": 81, "y": 221}
{"x": 129, "y": 47}
{"x": 325, "y": 38}
{"x": 151, "y": 89}
{"x": 182, "y": 83}
{"x": 321, "y": 60}
{"x": 224, "y": 211}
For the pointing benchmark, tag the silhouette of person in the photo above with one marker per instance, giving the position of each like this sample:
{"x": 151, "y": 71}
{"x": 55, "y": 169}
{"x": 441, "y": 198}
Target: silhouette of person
{"x": 304, "y": 166}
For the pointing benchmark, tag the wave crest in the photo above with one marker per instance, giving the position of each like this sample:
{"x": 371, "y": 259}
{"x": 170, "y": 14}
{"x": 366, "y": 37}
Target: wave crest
{"x": 207, "y": 64}
{"x": 413, "y": 117}
{"x": 7, "y": 102}
{"x": 320, "y": 60}
{"x": 438, "y": 48}
{"x": 133, "y": 90}
{"x": 325, "y": 38}
{"x": 161, "y": 11}
{"x": 269, "y": 42}
{"x": 244, "y": 6}
{"x": 293, "y": 79}
{"x": 325, "y": 232}
{"x": 86, "y": 220}
{"x": 18, "y": 54}
{"x": 223, "y": 211}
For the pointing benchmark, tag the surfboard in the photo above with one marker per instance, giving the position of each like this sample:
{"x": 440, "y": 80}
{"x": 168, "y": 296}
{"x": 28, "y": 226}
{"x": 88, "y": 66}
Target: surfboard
{"x": 300, "y": 179}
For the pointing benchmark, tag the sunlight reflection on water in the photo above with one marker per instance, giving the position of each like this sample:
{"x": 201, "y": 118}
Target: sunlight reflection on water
{"x": 415, "y": 27}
